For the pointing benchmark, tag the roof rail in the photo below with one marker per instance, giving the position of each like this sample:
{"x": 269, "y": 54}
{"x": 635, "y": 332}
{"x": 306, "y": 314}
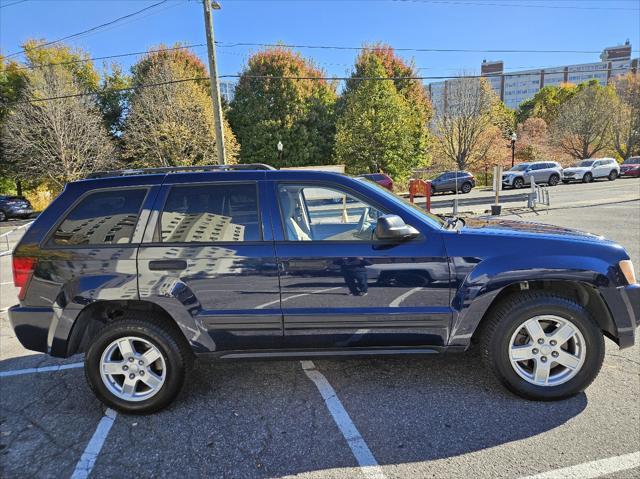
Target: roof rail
{"x": 179, "y": 169}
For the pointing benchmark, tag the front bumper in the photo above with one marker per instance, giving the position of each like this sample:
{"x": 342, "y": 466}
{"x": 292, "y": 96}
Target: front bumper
{"x": 624, "y": 304}
{"x": 576, "y": 176}
{"x": 19, "y": 212}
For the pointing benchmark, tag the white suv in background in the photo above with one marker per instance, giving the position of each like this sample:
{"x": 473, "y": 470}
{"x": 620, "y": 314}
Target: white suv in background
{"x": 588, "y": 170}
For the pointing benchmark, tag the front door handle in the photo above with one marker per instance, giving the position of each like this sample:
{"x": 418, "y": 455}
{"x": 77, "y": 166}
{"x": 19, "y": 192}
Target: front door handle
{"x": 167, "y": 264}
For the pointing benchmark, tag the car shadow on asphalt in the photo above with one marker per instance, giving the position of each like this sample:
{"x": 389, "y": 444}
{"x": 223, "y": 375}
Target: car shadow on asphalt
{"x": 266, "y": 418}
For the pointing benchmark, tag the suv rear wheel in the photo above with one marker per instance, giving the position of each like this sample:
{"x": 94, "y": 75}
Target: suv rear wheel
{"x": 137, "y": 366}
{"x": 613, "y": 175}
{"x": 542, "y": 346}
{"x": 554, "y": 180}
{"x": 466, "y": 187}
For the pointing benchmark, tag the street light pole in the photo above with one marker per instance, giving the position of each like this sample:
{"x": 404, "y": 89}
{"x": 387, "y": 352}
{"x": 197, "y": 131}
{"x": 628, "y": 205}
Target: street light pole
{"x": 514, "y": 137}
{"x": 213, "y": 74}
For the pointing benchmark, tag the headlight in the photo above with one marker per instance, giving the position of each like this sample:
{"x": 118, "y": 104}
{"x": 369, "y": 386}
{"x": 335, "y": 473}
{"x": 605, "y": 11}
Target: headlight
{"x": 626, "y": 266}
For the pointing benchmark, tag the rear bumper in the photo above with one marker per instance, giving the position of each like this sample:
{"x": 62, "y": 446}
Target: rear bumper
{"x": 624, "y": 304}
{"x": 40, "y": 329}
{"x": 31, "y": 326}
{"x": 630, "y": 173}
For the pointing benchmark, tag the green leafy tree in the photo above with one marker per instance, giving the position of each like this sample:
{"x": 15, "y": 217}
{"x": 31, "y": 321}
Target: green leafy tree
{"x": 268, "y": 109}
{"x": 171, "y": 123}
{"x": 113, "y": 97}
{"x": 545, "y": 103}
{"x": 411, "y": 89}
{"x": 376, "y": 127}
{"x": 584, "y": 123}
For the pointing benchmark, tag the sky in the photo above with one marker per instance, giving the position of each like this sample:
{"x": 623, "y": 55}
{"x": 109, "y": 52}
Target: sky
{"x": 585, "y": 25}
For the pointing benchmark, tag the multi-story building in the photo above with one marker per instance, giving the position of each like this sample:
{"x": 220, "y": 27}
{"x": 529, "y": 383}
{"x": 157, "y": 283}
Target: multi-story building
{"x": 228, "y": 90}
{"x": 515, "y": 87}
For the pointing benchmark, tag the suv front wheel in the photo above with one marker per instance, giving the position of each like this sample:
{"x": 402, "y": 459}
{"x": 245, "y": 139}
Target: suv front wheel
{"x": 542, "y": 346}
{"x": 136, "y": 366}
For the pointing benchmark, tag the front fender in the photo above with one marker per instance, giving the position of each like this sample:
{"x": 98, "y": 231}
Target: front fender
{"x": 478, "y": 285}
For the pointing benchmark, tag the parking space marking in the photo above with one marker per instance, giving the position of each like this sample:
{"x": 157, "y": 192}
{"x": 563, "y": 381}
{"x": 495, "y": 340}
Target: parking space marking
{"x": 593, "y": 469}
{"x": 367, "y": 462}
{"x": 396, "y": 302}
{"x": 90, "y": 454}
{"x": 43, "y": 369}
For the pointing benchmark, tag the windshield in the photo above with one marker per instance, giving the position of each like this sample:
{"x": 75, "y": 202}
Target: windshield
{"x": 584, "y": 163}
{"x": 520, "y": 167}
{"x": 402, "y": 202}
{"x": 634, "y": 160}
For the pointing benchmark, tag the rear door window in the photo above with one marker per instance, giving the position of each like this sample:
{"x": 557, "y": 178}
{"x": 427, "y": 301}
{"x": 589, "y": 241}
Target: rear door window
{"x": 211, "y": 213}
{"x": 101, "y": 218}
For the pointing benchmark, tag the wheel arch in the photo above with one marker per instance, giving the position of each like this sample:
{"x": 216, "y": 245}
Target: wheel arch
{"x": 584, "y": 294}
{"x": 100, "y": 313}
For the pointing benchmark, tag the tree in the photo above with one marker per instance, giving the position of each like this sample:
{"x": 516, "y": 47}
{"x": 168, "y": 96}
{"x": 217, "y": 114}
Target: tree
{"x": 376, "y": 127}
{"x": 534, "y": 142}
{"x": 626, "y": 115}
{"x": 268, "y": 108}
{"x": 58, "y": 140}
{"x": 546, "y": 102}
{"x": 411, "y": 89}
{"x": 582, "y": 127}
{"x": 171, "y": 122}
{"x": 470, "y": 109}
{"x": 113, "y": 98}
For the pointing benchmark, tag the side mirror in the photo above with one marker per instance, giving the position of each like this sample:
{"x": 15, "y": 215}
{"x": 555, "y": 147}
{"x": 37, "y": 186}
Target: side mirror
{"x": 393, "y": 228}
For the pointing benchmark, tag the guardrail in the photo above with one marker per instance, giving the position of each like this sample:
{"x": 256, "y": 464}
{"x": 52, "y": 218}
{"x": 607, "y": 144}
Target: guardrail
{"x": 4, "y": 237}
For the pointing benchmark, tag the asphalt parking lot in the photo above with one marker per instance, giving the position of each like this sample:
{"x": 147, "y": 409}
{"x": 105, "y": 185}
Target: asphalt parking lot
{"x": 384, "y": 417}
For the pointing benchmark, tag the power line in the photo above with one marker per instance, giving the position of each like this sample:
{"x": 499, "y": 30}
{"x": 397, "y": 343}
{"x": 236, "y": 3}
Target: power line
{"x": 10, "y": 4}
{"x": 90, "y": 30}
{"x": 269, "y": 77}
{"x": 433, "y": 50}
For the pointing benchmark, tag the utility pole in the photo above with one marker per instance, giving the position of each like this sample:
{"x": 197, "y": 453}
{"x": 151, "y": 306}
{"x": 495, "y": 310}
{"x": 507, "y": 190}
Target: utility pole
{"x": 213, "y": 73}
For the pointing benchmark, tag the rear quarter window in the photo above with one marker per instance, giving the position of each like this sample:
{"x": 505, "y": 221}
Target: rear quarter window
{"x": 101, "y": 218}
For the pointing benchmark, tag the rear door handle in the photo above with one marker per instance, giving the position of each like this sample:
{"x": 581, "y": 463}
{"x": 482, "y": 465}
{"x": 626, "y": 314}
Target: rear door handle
{"x": 167, "y": 264}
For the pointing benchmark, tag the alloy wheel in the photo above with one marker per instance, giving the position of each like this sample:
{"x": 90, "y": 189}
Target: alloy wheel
{"x": 547, "y": 350}
{"x": 132, "y": 368}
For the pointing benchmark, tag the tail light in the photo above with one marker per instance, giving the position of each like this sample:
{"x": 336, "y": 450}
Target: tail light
{"x": 23, "y": 267}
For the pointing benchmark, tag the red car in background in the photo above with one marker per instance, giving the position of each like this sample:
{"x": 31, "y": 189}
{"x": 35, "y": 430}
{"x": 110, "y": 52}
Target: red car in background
{"x": 630, "y": 167}
{"x": 381, "y": 178}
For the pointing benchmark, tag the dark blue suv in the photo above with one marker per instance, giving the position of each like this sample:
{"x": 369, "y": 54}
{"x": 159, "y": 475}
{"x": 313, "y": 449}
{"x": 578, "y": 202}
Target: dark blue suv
{"x": 145, "y": 271}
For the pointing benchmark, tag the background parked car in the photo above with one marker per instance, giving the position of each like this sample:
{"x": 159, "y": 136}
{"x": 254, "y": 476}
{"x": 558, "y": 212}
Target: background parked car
{"x": 14, "y": 207}
{"x": 588, "y": 170}
{"x": 448, "y": 180}
{"x": 549, "y": 172}
{"x": 381, "y": 178}
{"x": 631, "y": 167}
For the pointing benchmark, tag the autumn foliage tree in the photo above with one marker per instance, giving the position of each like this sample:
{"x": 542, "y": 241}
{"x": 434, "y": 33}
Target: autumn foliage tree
{"x": 583, "y": 125}
{"x": 281, "y": 97}
{"x": 626, "y": 115}
{"x": 171, "y": 122}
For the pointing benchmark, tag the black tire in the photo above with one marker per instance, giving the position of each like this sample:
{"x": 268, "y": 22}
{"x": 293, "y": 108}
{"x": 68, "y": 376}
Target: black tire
{"x": 587, "y": 178}
{"x": 518, "y": 183}
{"x": 3, "y": 216}
{"x": 613, "y": 175}
{"x": 506, "y": 317}
{"x": 466, "y": 187}
{"x": 554, "y": 180}
{"x": 174, "y": 349}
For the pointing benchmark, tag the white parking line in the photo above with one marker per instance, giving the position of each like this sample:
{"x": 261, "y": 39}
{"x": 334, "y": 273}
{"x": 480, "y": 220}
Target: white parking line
{"x": 593, "y": 469}
{"x": 368, "y": 464}
{"x": 90, "y": 454}
{"x": 396, "y": 302}
{"x": 44, "y": 369}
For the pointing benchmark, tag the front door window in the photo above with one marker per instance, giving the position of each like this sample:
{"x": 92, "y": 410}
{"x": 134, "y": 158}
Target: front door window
{"x": 319, "y": 213}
